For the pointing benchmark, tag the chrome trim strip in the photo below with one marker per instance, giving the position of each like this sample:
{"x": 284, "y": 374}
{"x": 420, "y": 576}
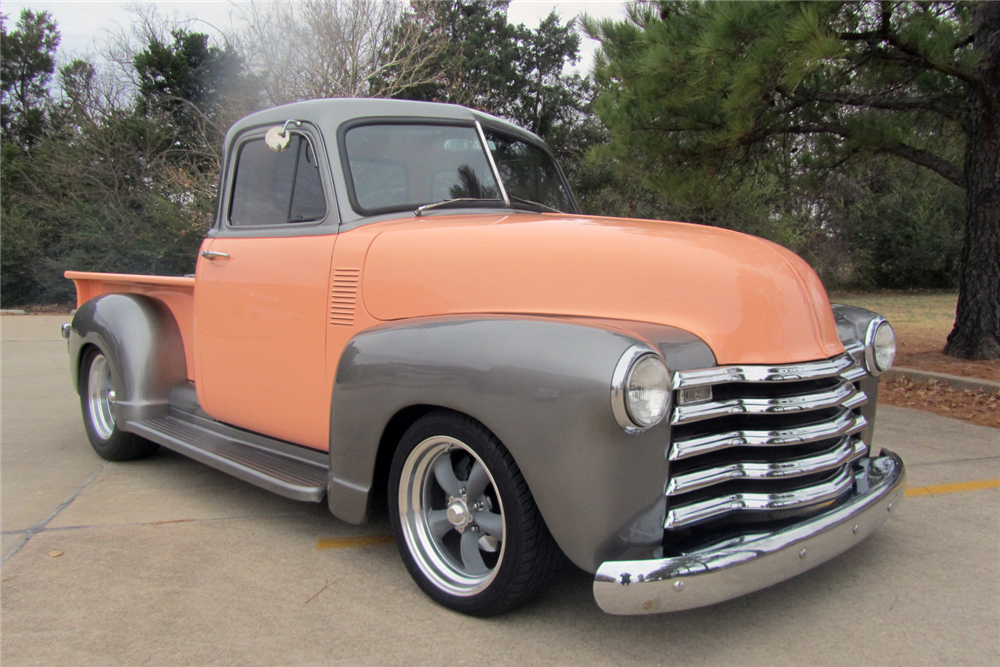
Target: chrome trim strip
{"x": 797, "y": 498}
{"x": 842, "y": 453}
{"x": 860, "y": 449}
{"x": 754, "y": 561}
{"x": 787, "y": 373}
{"x": 846, "y": 423}
{"x": 493, "y": 164}
{"x": 845, "y": 394}
{"x": 855, "y": 373}
{"x": 857, "y": 352}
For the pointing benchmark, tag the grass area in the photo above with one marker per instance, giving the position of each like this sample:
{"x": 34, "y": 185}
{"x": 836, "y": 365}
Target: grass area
{"x": 922, "y": 322}
{"x": 921, "y": 319}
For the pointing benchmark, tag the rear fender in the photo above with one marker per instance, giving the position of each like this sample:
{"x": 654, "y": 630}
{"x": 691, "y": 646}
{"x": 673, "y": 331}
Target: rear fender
{"x": 142, "y": 342}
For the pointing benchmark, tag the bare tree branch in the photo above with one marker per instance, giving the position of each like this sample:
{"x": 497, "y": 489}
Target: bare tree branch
{"x": 334, "y": 48}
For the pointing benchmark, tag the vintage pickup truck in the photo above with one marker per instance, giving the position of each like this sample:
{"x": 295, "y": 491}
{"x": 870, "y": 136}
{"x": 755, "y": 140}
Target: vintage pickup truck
{"x": 401, "y": 302}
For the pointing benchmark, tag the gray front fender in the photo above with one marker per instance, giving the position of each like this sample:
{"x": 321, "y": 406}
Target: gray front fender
{"x": 142, "y": 343}
{"x": 543, "y": 387}
{"x": 852, "y": 325}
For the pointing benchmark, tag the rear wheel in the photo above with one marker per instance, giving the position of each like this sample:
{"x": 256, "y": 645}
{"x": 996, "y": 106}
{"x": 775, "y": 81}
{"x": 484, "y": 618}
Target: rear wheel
{"x": 98, "y": 395}
{"x": 464, "y": 521}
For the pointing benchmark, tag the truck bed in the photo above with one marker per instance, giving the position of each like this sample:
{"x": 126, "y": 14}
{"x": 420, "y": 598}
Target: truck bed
{"x": 176, "y": 292}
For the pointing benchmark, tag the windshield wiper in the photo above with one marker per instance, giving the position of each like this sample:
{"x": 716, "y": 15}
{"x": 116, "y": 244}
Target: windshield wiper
{"x": 474, "y": 202}
{"x": 459, "y": 203}
{"x": 528, "y": 202}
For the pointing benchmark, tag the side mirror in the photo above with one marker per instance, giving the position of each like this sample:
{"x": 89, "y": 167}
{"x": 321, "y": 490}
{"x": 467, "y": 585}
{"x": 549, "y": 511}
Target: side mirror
{"x": 277, "y": 138}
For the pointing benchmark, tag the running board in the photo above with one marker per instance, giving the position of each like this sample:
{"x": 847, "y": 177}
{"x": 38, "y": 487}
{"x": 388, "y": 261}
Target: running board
{"x": 288, "y": 470}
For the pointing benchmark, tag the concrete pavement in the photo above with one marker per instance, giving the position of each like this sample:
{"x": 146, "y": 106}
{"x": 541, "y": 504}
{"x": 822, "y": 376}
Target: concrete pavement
{"x": 168, "y": 562}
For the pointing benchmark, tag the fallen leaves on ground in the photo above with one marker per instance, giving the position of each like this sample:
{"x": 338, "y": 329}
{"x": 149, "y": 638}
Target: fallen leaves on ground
{"x": 977, "y": 407}
{"x": 922, "y": 352}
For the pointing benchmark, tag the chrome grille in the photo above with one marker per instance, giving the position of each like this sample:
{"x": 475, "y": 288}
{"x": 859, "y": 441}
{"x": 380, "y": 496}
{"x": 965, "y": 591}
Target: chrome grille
{"x": 771, "y": 440}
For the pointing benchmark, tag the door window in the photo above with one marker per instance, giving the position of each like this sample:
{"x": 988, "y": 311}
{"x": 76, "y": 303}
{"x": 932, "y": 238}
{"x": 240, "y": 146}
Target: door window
{"x": 276, "y": 188}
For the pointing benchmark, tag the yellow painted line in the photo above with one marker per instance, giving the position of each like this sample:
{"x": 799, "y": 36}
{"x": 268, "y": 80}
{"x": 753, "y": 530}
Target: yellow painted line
{"x": 353, "y": 542}
{"x": 953, "y": 488}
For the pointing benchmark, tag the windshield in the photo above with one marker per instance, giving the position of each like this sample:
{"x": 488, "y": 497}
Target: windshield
{"x": 527, "y": 171}
{"x": 398, "y": 167}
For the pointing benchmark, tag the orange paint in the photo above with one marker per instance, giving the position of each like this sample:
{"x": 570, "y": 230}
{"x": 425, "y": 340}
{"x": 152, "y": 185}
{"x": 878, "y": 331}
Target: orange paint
{"x": 261, "y": 319}
{"x": 176, "y": 292}
{"x": 265, "y": 334}
{"x": 750, "y": 300}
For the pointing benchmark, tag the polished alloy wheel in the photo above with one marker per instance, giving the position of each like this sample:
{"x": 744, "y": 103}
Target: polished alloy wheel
{"x": 452, "y": 516}
{"x": 101, "y": 397}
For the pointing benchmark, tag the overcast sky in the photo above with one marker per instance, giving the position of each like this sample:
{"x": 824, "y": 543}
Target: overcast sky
{"x": 83, "y": 23}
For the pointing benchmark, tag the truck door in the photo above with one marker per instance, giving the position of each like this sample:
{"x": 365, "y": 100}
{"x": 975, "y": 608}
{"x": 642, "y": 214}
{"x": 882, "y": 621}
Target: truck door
{"x": 262, "y": 291}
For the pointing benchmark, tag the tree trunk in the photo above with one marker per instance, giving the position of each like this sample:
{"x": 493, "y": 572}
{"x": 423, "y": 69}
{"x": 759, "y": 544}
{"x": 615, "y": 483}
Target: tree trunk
{"x": 977, "y": 320}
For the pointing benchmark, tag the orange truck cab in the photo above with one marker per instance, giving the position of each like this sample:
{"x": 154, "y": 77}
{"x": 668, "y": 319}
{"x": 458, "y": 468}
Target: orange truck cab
{"x": 402, "y": 300}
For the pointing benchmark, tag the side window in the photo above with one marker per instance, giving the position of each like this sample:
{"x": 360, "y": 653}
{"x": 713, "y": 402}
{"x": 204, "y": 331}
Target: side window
{"x": 276, "y": 188}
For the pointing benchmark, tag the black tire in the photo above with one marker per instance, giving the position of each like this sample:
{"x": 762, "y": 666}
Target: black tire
{"x": 98, "y": 391}
{"x": 473, "y": 540}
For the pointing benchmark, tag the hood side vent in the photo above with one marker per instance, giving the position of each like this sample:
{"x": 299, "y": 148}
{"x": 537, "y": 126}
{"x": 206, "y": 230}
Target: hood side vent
{"x": 344, "y": 296}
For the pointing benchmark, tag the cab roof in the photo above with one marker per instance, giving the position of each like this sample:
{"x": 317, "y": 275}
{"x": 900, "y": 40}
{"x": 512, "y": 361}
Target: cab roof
{"x": 330, "y": 113}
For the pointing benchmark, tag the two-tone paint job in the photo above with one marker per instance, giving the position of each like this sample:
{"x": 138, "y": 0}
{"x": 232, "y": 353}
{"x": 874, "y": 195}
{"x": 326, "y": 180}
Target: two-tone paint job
{"x": 335, "y": 335}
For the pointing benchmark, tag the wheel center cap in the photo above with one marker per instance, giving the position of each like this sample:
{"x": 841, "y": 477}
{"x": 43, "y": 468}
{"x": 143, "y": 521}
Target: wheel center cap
{"x": 458, "y": 513}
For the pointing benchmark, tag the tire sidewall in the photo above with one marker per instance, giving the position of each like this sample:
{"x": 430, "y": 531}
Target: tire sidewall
{"x": 120, "y": 445}
{"x": 96, "y": 440}
{"x": 491, "y": 600}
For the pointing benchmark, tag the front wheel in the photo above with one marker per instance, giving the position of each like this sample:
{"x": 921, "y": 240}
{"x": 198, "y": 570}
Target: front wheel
{"x": 464, "y": 520}
{"x": 98, "y": 394}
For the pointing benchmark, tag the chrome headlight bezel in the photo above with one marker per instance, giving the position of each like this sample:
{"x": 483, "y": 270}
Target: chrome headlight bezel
{"x": 625, "y": 413}
{"x": 875, "y": 359}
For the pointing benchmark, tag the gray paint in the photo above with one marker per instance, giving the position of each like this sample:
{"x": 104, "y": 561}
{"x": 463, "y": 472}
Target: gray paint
{"x": 543, "y": 388}
{"x": 327, "y": 116}
{"x": 142, "y": 343}
{"x": 294, "y": 472}
{"x": 852, "y": 324}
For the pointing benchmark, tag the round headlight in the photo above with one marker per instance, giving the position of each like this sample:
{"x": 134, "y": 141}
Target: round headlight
{"x": 646, "y": 391}
{"x": 880, "y": 348}
{"x": 640, "y": 394}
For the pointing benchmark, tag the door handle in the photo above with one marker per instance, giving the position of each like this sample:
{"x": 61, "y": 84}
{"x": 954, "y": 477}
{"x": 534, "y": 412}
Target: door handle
{"x": 211, "y": 254}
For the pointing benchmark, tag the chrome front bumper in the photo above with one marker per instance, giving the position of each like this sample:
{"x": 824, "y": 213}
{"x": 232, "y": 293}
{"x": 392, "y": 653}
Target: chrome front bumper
{"x": 754, "y": 561}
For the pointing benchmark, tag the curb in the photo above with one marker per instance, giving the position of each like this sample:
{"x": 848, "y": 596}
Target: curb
{"x": 7, "y": 311}
{"x": 968, "y": 384}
